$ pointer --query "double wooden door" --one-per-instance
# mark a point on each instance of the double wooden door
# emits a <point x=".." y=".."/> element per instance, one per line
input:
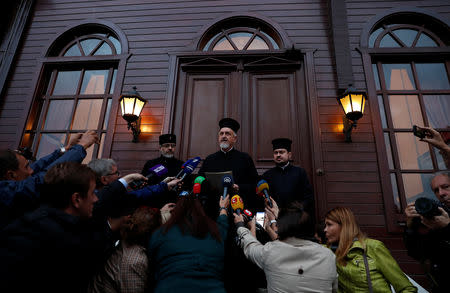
<point x="265" y="94"/>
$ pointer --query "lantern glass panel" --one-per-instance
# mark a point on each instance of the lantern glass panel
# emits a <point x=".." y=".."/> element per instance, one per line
<point x="346" y="104"/>
<point x="357" y="100"/>
<point x="138" y="107"/>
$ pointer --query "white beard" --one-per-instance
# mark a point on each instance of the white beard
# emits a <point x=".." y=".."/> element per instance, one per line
<point x="165" y="155"/>
<point x="224" y="145"/>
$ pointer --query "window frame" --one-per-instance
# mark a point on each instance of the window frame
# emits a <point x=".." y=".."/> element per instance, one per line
<point x="52" y="61"/>
<point x="395" y="221"/>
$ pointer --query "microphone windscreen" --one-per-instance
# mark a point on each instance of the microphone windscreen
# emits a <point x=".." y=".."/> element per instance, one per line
<point x="237" y="203"/>
<point x="227" y="181"/>
<point x="197" y="188"/>
<point x="190" y="167"/>
<point x="262" y="184"/>
<point x="248" y="213"/>
<point x="159" y="170"/>
<point x="183" y="193"/>
<point x="199" y="179"/>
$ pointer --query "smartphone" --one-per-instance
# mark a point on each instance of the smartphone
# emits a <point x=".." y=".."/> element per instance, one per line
<point x="420" y="133"/>
<point x="260" y="218"/>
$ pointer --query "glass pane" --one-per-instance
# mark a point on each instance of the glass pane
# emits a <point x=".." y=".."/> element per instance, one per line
<point x="87" y="114"/>
<point x="223" y="45"/>
<point x="94" y="82"/>
<point x="100" y="148"/>
<point x="49" y="142"/>
<point x="209" y="42"/>
<point x="258" y="44"/>
<point x="375" y="75"/>
<point x="108" y="108"/>
<point x="89" y="154"/>
<point x="425" y="41"/>
<point x="388" y="42"/>
<point x="373" y="37"/>
<point x="89" y="45"/>
<point x="104" y="49"/>
<point x="387" y="142"/>
<point x="116" y="44"/>
<point x="432" y="76"/>
<point x="407" y="36"/>
<point x="398" y="77"/>
<point x="437" y="108"/>
<point x="272" y="41"/>
<point x="58" y="115"/>
<point x="440" y="160"/>
<point x="405" y="111"/>
<point x="66" y="83"/>
<point x="413" y="153"/>
<point x="73" y="51"/>
<point x="382" y="111"/>
<point x="417" y="185"/>
<point x="240" y="39"/>
<point x="395" y="193"/>
<point x="113" y="82"/>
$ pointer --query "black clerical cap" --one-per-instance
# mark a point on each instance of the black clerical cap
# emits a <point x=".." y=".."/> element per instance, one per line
<point x="230" y="123"/>
<point x="167" y="138"/>
<point x="282" y="143"/>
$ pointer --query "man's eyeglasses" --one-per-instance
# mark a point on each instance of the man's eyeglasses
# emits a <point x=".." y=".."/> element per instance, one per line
<point x="167" y="145"/>
<point x="115" y="173"/>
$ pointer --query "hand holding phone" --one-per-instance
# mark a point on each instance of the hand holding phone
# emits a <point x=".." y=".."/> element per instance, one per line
<point x="260" y="218"/>
<point x="419" y="132"/>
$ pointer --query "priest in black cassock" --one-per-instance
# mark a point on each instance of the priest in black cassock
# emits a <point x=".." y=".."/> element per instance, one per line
<point x="167" y="145"/>
<point x="288" y="183"/>
<point x="241" y="164"/>
<point x="241" y="276"/>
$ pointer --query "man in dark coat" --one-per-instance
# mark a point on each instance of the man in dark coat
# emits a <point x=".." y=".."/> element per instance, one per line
<point x="240" y="274"/>
<point x="288" y="183"/>
<point x="241" y="164"/>
<point x="167" y="145"/>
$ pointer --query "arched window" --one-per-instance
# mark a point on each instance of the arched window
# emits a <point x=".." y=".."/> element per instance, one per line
<point x="75" y="90"/>
<point x="241" y="34"/>
<point x="411" y="76"/>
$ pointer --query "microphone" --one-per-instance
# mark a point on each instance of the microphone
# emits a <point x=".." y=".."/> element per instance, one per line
<point x="248" y="214"/>
<point x="197" y="189"/>
<point x="263" y="189"/>
<point x="190" y="167"/>
<point x="199" y="179"/>
<point x="237" y="204"/>
<point x="182" y="168"/>
<point x="227" y="182"/>
<point x="155" y="171"/>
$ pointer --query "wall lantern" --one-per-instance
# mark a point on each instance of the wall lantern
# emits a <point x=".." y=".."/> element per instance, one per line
<point x="132" y="104"/>
<point x="352" y="102"/>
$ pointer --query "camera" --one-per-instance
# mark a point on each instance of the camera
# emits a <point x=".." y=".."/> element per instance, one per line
<point x="428" y="208"/>
<point x="420" y="133"/>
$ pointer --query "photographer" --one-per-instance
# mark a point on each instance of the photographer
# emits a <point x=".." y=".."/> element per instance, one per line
<point x="427" y="236"/>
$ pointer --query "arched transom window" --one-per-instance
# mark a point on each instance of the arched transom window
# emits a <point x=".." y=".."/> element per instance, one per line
<point x="241" y="39"/>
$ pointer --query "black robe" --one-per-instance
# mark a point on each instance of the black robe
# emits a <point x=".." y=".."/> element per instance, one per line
<point x="244" y="174"/>
<point x="288" y="185"/>
<point x="173" y="166"/>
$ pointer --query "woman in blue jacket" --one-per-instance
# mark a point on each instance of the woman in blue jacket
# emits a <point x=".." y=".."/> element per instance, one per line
<point x="187" y="252"/>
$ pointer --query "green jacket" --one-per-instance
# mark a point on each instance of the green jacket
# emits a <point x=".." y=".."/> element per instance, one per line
<point x="384" y="270"/>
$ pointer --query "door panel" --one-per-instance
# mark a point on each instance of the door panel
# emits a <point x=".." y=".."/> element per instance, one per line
<point x="272" y="101"/>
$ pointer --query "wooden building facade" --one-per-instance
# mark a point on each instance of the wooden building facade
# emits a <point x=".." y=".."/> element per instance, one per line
<point x="275" y="66"/>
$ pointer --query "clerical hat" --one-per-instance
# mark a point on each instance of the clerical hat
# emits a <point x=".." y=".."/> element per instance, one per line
<point x="230" y="123"/>
<point x="282" y="143"/>
<point x="167" y="138"/>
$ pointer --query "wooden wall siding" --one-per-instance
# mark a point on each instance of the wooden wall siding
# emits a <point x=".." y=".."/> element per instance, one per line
<point x="156" y="28"/>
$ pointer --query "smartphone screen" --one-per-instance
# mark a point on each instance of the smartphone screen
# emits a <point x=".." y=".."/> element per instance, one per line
<point x="260" y="218"/>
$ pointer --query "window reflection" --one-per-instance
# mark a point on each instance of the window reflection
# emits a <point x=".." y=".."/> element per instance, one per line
<point x="113" y="82"/>
<point x="395" y="193"/>
<point x="417" y="185"/>
<point x="382" y="111"/>
<point x="73" y="51"/>
<point x="407" y="36"/>
<point x="49" y="142"/>
<point x="89" y="45"/>
<point x="398" y="77"/>
<point x="223" y="45"/>
<point x="258" y="44"/>
<point x="388" y="41"/>
<point x="413" y="154"/>
<point x="432" y="76"/>
<point x="104" y="49"/>
<point x="94" y="82"/>
<point x="240" y="39"/>
<point x="66" y="83"/>
<point x="387" y="142"/>
<point x="405" y="111"/>
<point x="87" y="114"/>
<point x="58" y="115"/>
<point x="437" y="108"/>
<point x="425" y="41"/>
<point x="108" y="109"/>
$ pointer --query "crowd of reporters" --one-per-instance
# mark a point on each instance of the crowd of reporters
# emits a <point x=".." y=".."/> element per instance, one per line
<point x="69" y="227"/>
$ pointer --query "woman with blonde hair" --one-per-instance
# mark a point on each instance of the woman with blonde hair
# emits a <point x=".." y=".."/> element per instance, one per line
<point x="363" y="264"/>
